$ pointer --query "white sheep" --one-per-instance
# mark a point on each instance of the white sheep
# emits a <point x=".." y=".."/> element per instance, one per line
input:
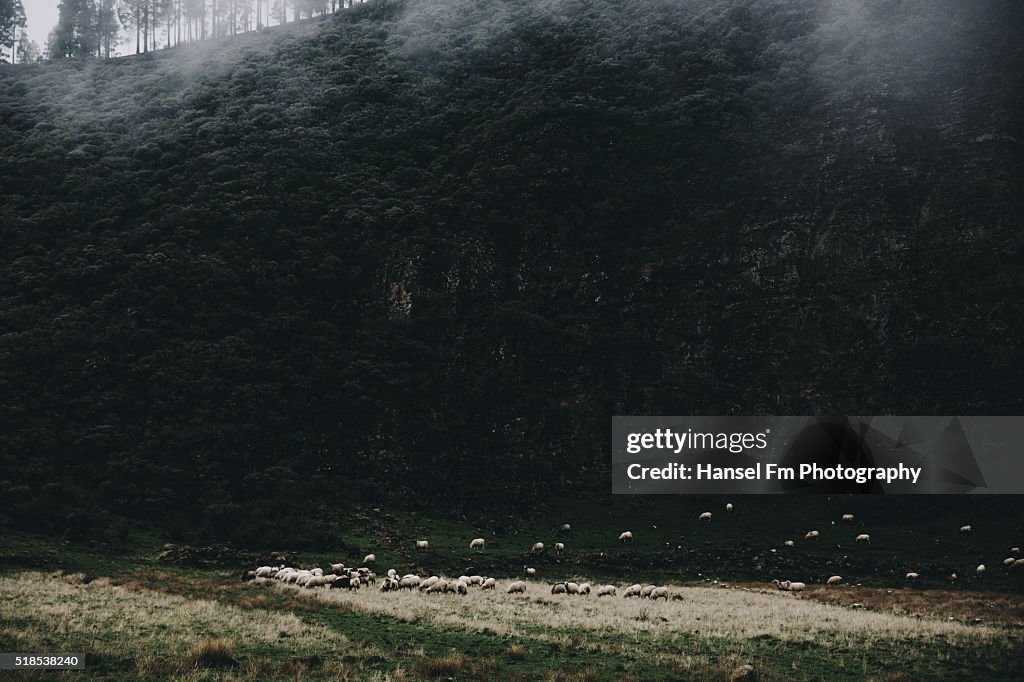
<point x="558" y="588"/>
<point x="488" y="584"/>
<point x="572" y="588"/>
<point x="388" y="585"/>
<point x="264" y="571"/>
<point x="706" y="516"/>
<point x="847" y="517"/>
<point x="912" y="576"/>
<point x="458" y="587"/>
<point x="632" y="591"/>
<point x="834" y="580"/>
<point x="789" y="543"/>
<point x="428" y="583"/>
<point x="409" y="582"/>
<point x="422" y="544"/>
<point x="863" y="537"/>
<point x="627" y="536"/>
<point x="659" y="593"/>
<point x="584" y="588"/>
<point x="564" y="528"/>
<point x="559" y="547"/>
<point x="812" y="535"/>
<point x="475" y="580"/>
<point x="965" y="529"/>
<point x="337" y="568"/>
<point x="369" y="559"/>
<point x="1015" y="550"/>
<point x="953" y="577"/>
<point x="517" y="587"/>
<point x="477" y="543"/>
<point x="530" y="571"/>
<point x="316" y="581"/>
<point x="393" y="574"/>
<point x="646" y="591"/>
<point x="728" y="507"/>
<point x="1019" y="562"/>
<point x="606" y="591"/>
<point x="980" y="569"/>
<point x="1009" y="561"/>
<point x="439" y="585"/>
<point x="537" y="548"/>
<point x="794" y="587"/>
<point x="317" y="571"/>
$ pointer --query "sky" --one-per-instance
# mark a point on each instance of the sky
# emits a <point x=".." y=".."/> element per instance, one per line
<point x="42" y="17"/>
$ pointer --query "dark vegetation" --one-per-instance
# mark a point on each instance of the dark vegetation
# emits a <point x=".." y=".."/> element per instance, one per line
<point x="417" y="254"/>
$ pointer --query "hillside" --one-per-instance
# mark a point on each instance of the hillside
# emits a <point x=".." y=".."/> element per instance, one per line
<point x="420" y="252"/>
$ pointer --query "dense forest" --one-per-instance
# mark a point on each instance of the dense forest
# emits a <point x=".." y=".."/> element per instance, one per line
<point x="422" y="251"/>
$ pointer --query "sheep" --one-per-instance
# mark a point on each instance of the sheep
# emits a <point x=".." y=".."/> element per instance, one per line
<point x="863" y="537"/>
<point x="428" y="583"/>
<point x="584" y="588"/>
<point x="475" y="580"/>
<point x="794" y="587"/>
<point x="392" y="573"/>
<point x="529" y="571"/>
<point x="558" y="588"/>
<point x="345" y="583"/>
<point x="1015" y="550"/>
<point x="488" y="584"/>
<point x="559" y="547"/>
<point x="646" y="591"/>
<point x="659" y="593"/>
<point x="728" y="507"/>
<point x="572" y="588"/>
<point x="606" y="591"/>
<point x="458" y="587"/>
<point x="317" y="571"/>
<point x="369" y="559"/>
<point x="537" y="548"/>
<point x="517" y="587"/>
<point x="812" y="535"/>
<point x="316" y="581"/>
<point x="778" y="584"/>
<point x="337" y="568"/>
<point x="980" y="569"/>
<point x="422" y="544"/>
<point x="952" y="577"/>
<point x="264" y="572"/>
<point x="477" y="543"/>
<point x="632" y="591"/>
<point x="965" y="529"/>
<point x="1019" y="562"/>
<point x="847" y="517"/>
<point x="1009" y="561"/>
<point x="912" y="576"/>
<point x="388" y="585"/>
<point x="706" y="516"/>
<point x="834" y="580"/>
<point x="626" y="536"/>
<point x="564" y="528"/>
<point x="439" y="585"/>
<point x="409" y="582"/>
<point x="789" y="543"/>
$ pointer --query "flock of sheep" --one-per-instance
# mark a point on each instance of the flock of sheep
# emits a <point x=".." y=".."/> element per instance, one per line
<point x="353" y="578"/>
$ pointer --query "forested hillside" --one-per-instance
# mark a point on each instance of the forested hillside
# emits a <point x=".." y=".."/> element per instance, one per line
<point x="422" y="251"/>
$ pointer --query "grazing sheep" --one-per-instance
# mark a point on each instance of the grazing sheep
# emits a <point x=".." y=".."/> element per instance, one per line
<point x="626" y="536"/>
<point x="1009" y="561"/>
<point x="980" y="569"/>
<point x="789" y="543"/>
<point x="728" y="507"/>
<point x="475" y="580"/>
<point x="458" y="587"/>
<point x="388" y="585"/>
<point x="1019" y="562"/>
<point x="606" y="591"/>
<point x="558" y="588"/>
<point x="264" y="572"/>
<point x="439" y="585"/>
<point x="572" y="588"/>
<point x="317" y="571"/>
<point x="847" y="517"/>
<point x="646" y="591"/>
<point x="584" y="588"/>
<point x="965" y="529"/>
<point x="632" y="591"/>
<point x="559" y="547"/>
<point x="793" y="587"/>
<point x="488" y="584"/>
<point x="812" y="535"/>
<point x="517" y="587"/>
<point x="409" y="582"/>
<point x="912" y="576"/>
<point x="659" y="593"/>
<point x="337" y="568"/>
<point x="428" y="583"/>
<point x="537" y="548"/>
<point x="530" y="571"/>
<point x="477" y="543"/>
<point x="706" y="516"/>
<point x="422" y="544"/>
<point x="369" y="559"/>
<point x="834" y="580"/>
<point x="863" y="537"/>
<point x="316" y="581"/>
<point x="564" y="528"/>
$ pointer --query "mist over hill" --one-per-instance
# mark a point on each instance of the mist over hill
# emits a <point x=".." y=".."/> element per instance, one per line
<point x="430" y="248"/>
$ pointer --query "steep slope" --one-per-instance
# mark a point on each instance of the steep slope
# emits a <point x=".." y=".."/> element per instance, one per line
<point x="422" y="242"/>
